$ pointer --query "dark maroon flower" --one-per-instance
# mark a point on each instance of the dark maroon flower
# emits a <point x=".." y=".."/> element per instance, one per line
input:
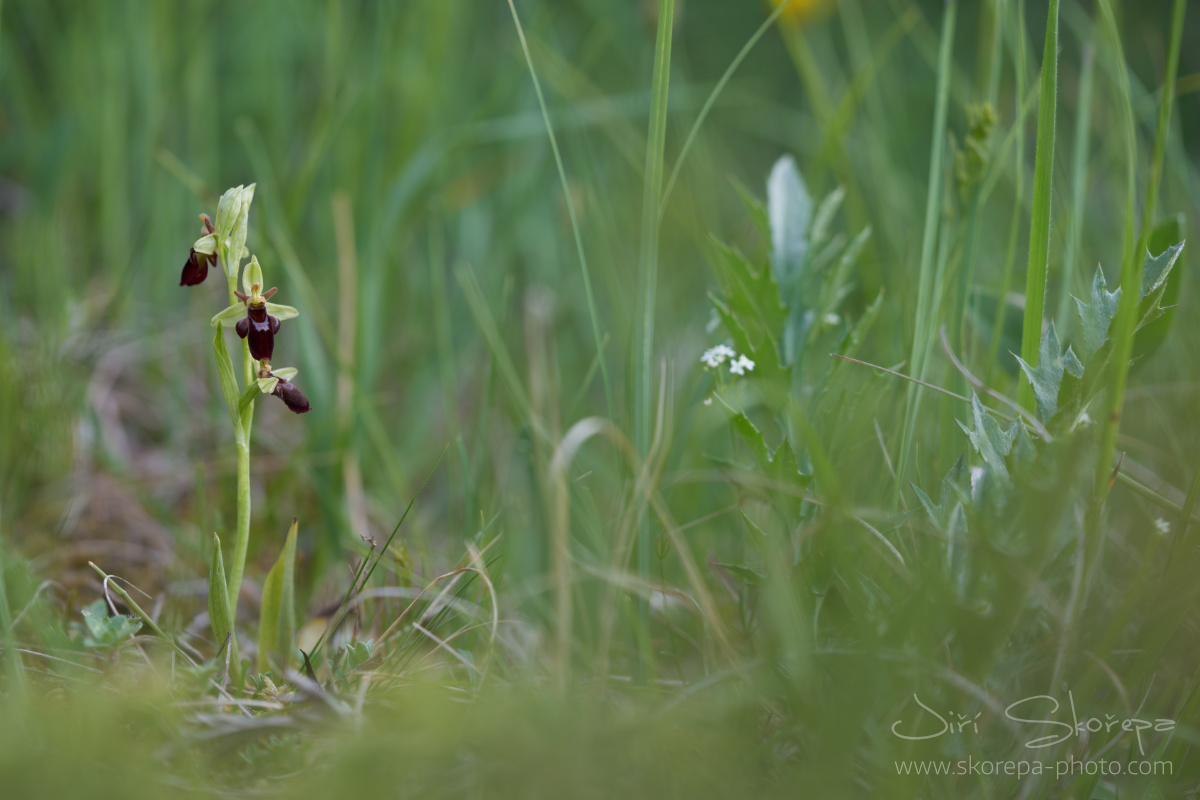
<point x="195" y="269"/>
<point x="258" y="328"/>
<point x="292" y="397"/>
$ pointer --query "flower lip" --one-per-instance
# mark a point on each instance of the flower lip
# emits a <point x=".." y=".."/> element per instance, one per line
<point x="258" y="328"/>
<point x="291" y="396"/>
<point x="195" y="269"/>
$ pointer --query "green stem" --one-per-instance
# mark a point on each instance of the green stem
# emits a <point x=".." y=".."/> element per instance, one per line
<point x="241" y="545"/>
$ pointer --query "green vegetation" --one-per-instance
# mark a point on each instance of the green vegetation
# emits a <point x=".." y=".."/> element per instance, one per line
<point x="678" y="425"/>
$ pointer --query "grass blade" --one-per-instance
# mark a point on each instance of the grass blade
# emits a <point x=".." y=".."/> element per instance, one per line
<point x="562" y="176"/>
<point x="1039" y="234"/>
<point x="927" y="291"/>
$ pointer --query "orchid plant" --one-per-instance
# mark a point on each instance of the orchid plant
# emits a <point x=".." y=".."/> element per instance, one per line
<point x="256" y="320"/>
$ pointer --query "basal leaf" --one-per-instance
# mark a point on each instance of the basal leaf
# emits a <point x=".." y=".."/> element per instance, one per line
<point x="220" y="616"/>
<point x="277" y="619"/>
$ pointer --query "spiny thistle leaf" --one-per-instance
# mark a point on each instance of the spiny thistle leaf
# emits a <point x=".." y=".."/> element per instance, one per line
<point x="1047" y="376"/>
<point x="1097" y="315"/>
<point x="1158" y="268"/>
<point x="988" y="438"/>
<point x="954" y="492"/>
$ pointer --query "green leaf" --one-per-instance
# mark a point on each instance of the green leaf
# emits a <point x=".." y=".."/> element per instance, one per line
<point x="1158" y="268"/>
<point x="1047" y="376"/>
<point x="104" y="631"/>
<point x="987" y="437"/>
<point x="1097" y="316"/>
<point x="954" y="491"/>
<point x="220" y="615"/>
<point x="277" y="619"/>
<point x="1154" y="332"/>
<point x="228" y="381"/>
<point x="253" y="391"/>
<point x="779" y="463"/>
<point x="755" y="208"/>
<point x="750" y="576"/>
<point x="837" y="283"/>
<point x="752" y="295"/>
<point x="824" y="216"/>
<point x="789" y="208"/>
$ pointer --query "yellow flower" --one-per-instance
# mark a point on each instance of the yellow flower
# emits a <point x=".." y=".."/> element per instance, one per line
<point x="801" y="12"/>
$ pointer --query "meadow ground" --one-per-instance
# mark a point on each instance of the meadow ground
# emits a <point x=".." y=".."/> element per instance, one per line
<point x="708" y="399"/>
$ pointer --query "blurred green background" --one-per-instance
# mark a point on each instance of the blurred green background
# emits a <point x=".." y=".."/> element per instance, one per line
<point x="408" y="199"/>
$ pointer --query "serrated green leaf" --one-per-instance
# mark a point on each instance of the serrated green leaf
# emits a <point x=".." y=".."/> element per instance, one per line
<point x="228" y="382"/>
<point x="1158" y="268"/>
<point x="953" y="492"/>
<point x="780" y="463"/>
<point x="789" y="209"/>
<point x="752" y="295"/>
<point x="991" y="442"/>
<point x="1152" y="333"/>
<point x="277" y="618"/>
<point x="1097" y="315"/>
<point x="220" y="616"/>
<point x="1047" y="376"/>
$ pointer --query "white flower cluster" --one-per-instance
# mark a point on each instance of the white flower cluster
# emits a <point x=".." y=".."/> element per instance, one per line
<point x="716" y="356"/>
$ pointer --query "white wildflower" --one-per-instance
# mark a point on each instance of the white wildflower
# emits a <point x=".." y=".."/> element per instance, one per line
<point x="708" y="401"/>
<point x="715" y="356"/>
<point x="741" y="365"/>
<point x="1162" y="525"/>
<point x="831" y="319"/>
